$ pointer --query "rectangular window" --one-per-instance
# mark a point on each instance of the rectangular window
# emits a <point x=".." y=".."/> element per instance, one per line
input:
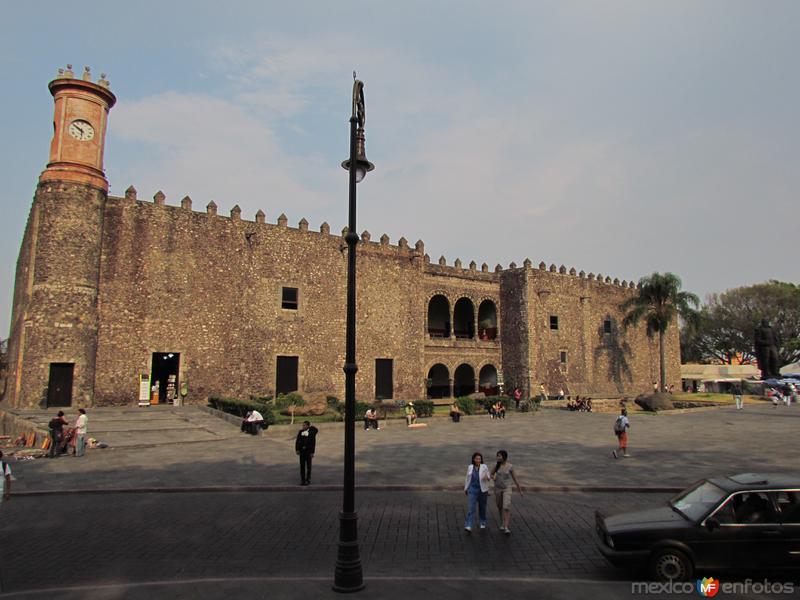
<point x="384" y="386"/>
<point x="286" y="375"/>
<point x="553" y="322"/>
<point x="607" y="326"/>
<point x="563" y="357"/>
<point x="289" y="298"/>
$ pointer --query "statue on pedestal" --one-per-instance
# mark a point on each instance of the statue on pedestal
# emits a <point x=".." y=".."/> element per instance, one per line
<point x="766" y="345"/>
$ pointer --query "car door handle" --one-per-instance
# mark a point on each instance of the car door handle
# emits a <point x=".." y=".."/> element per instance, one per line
<point x="771" y="532"/>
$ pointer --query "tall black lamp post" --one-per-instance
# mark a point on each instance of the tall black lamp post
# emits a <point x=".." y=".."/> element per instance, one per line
<point x="348" y="576"/>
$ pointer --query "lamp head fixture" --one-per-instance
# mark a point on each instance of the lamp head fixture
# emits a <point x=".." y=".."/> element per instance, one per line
<point x="362" y="165"/>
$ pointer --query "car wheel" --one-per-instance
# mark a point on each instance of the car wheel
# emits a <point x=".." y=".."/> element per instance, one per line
<point x="670" y="564"/>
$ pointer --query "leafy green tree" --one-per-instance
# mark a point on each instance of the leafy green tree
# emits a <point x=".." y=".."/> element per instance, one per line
<point x="659" y="302"/>
<point x="724" y="331"/>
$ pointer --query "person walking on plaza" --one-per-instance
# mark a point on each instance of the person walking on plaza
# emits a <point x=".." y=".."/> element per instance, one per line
<point x="5" y="480"/>
<point x="80" y="432"/>
<point x="56" y="427"/>
<point x="304" y="446"/>
<point x="517" y="398"/>
<point x="503" y="474"/>
<point x="621" y="426"/>
<point x="476" y="488"/>
<point x="737" y="396"/>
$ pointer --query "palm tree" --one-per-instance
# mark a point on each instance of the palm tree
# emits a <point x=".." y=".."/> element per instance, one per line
<point x="659" y="299"/>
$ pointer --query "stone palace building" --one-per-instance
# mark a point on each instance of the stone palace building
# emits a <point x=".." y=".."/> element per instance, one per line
<point x="114" y="295"/>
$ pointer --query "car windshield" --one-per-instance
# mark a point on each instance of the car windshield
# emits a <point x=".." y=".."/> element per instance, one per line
<point x="698" y="500"/>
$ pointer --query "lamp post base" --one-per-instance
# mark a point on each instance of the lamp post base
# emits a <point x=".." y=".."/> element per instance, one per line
<point x="348" y="576"/>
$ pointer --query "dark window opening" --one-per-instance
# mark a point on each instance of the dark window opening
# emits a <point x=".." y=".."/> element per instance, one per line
<point x="463" y="381"/>
<point x="384" y="385"/>
<point x="487" y="320"/>
<point x="607" y="326"/>
<point x="286" y="375"/>
<point x="59" y="386"/>
<point x="438" y="382"/>
<point x="464" y="319"/>
<point x="553" y="322"/>
<point x="164" y="375"/>
<point x="289" y="298"/>
<point x="439" y="317"/>
<point x="563" y="357"/>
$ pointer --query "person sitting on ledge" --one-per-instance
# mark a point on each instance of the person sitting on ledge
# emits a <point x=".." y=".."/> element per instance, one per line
<point x="455" y="412"/>
<point x="411" y="414"/>
<point x="498" y="410"/>
<point x="371" y="419"/>
<point x="252" y="422"/>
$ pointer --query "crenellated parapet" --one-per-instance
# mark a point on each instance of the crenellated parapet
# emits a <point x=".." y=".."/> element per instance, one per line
<point x="383" y="245"/>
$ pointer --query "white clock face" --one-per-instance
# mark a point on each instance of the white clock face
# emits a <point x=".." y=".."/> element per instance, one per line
<point x="81" y="130"/>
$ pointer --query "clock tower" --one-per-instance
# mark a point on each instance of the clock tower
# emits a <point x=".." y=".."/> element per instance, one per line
<point x="79" y="129"/>
<point x="55" y="319"/>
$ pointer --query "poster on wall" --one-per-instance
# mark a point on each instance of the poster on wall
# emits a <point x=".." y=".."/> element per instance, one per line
<point x="144" y="389"/>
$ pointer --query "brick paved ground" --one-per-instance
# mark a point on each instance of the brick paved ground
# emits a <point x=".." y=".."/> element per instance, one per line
<point x="272" y="544"/>
<point x="150" y="537"/>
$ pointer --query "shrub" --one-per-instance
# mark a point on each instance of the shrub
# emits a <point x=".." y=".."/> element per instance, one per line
<point x="331" y="401"/>
<point x="240" y="408"/>
<point x="468" y="406"/>
<point x="292" y="399"/>
<point x="423" y="408"/>
<point x="361" y="408"/>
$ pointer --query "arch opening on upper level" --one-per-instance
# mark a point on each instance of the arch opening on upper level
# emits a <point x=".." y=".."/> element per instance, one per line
<point x="439" y="317"/>
<point x="487" y="320"/>
<point x="464" y="319"/>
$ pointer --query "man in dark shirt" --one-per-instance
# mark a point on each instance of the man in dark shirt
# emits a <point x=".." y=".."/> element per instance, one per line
<point x="304" y="446"/>
<point x="56" y="426"/>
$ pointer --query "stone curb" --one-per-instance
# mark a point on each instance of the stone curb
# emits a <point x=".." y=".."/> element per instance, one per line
<point x="338" y="488"/>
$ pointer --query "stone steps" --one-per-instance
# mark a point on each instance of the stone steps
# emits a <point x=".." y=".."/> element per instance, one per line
<point x="145" y="426"/>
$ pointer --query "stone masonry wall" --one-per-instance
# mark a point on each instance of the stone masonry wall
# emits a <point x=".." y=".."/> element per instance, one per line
<point x="55" y="306"/>
<point x="209" y="287"/>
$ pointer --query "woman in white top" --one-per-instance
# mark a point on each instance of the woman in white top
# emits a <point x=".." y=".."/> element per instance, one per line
<point x="476" y="488"/>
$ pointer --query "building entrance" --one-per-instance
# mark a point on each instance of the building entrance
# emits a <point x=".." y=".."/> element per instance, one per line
<point x="59" y="386"/>
<point x="164" y="374"/>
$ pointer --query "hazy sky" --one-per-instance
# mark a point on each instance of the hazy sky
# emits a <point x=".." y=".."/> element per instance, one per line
<point x="616" y="137"/>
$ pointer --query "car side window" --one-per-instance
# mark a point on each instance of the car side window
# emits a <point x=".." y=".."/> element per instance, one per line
<point x="753" y="508"/>
<point x="789" y="506"/>
<point x="726" y="515"/>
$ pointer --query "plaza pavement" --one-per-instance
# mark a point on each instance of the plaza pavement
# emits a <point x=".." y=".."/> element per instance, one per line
<point x="236" y="524"/>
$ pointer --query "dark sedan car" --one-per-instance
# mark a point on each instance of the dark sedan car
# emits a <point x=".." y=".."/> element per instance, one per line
<point x="743" y="521"/>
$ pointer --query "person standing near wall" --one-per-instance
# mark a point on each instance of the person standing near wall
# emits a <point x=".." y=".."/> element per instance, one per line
<point x="80" y="432"/>
<point x="737" y="396"/>
<point x="304" y="446"/>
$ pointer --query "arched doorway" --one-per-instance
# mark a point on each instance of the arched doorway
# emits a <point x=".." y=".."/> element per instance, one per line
<point x="463" y="381"/>
<point x="439" y="317"/>
<point x="438" y="383"/>
<point x="487" y="380"/>
<point x="487" y="320"/>
<point x="464" y="319"/>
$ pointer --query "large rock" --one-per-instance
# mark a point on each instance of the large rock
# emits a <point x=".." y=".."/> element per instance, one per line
<point x="655" y="402"/>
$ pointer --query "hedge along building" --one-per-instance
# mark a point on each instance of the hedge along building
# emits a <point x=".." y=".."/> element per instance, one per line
<point x="114" y="291"/>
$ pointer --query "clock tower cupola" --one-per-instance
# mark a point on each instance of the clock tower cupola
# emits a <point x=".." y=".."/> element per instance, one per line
<point x="79" y="129"/>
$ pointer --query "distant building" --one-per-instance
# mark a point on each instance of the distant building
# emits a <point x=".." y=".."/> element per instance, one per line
<point x="115" y="295"/>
